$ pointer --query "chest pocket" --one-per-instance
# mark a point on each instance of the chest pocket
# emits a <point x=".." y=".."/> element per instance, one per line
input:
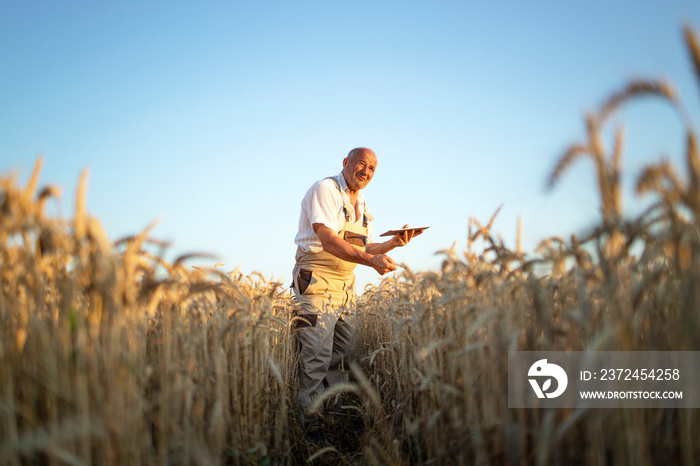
<point x="351" y="232"/>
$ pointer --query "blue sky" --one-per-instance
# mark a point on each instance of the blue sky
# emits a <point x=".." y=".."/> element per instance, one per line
<point x="216" y="117"/>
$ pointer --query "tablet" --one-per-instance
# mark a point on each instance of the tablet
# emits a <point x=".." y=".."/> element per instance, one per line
<point x="401" y="230"/>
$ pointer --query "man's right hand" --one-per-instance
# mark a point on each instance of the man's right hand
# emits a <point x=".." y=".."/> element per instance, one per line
<point x="383" y="263"/>
<point x="341" y="249"/>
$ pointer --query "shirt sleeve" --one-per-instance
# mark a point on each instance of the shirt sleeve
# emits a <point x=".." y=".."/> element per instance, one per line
<point x="323" y="206"/>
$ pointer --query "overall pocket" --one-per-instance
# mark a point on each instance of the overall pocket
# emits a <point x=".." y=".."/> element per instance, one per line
<point x="303" y="280"/>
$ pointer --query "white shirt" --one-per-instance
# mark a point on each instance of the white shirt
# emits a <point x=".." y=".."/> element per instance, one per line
<point x="323" y="203"/>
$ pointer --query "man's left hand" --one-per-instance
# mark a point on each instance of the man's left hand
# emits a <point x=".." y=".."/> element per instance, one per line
<point x="402" y="239"/>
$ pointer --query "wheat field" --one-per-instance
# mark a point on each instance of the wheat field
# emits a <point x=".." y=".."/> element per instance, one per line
<point x="111" y="355"/>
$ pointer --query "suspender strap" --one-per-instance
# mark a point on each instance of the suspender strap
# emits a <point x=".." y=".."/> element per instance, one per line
<point x="346" y="207"/>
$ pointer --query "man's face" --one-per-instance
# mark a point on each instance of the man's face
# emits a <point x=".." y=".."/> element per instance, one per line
<point x="359" y="169"/>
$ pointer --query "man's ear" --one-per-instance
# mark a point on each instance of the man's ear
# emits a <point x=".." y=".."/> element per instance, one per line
<point x="345" y="162"/>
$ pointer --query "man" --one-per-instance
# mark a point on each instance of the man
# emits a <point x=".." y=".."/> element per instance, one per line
<point x="334" y="236"/>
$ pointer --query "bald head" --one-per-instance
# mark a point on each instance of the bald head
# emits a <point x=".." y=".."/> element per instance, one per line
<point x="360" y="151"/>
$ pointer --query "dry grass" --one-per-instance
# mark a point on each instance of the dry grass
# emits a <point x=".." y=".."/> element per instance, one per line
<point x="110" y="355"/>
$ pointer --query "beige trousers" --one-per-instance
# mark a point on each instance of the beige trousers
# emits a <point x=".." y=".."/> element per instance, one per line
<point x="325" y="289"/>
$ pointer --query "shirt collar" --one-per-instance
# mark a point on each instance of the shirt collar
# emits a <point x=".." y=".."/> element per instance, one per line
<point x="344" y="187"/>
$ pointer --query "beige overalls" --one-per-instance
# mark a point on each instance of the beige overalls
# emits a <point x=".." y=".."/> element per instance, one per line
<point x="325" y="290"/>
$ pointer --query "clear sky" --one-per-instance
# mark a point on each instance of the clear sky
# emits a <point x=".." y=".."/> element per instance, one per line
<point x="216" y="117"/>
